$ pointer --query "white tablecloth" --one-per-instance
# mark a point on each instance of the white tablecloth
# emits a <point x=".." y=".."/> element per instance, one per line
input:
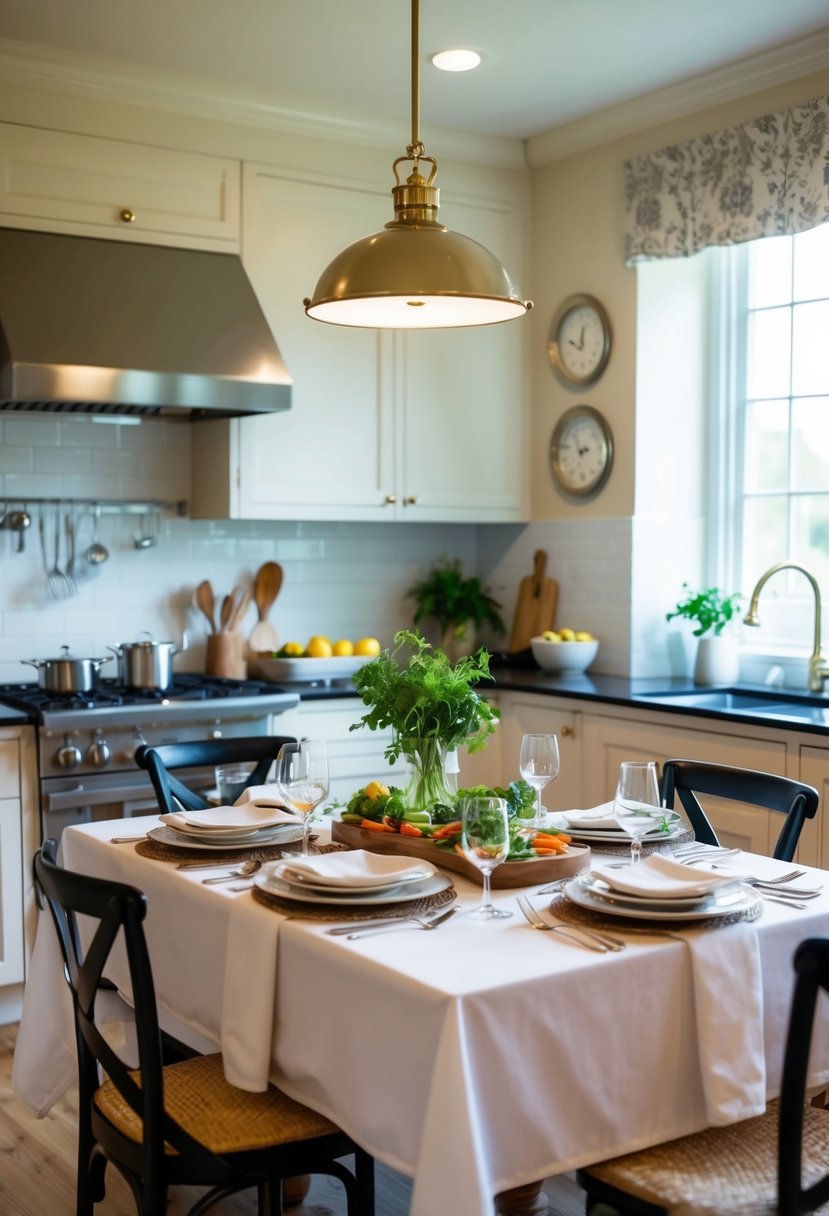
<point x="475" y="1058"/>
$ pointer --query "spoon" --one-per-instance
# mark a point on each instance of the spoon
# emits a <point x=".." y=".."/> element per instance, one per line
<point x="246" y="868"/>
<point x="96" y="553"/>
<point x="19" y="521"/>
<point x="206" y="602"/>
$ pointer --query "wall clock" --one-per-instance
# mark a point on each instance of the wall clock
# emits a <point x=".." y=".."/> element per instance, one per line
<point x="581" y="451"/>
<point x="578" y="345"/>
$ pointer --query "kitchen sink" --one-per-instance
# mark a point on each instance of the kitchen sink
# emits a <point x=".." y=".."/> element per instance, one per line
<point x="765" y="702"/>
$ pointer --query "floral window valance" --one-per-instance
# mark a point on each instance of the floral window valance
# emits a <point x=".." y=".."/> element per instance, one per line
<point x="769" y="177"/>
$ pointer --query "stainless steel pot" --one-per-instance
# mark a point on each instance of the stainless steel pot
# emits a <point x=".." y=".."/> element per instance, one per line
<point x="147" y="663"/>
<point x="67" y="675"/>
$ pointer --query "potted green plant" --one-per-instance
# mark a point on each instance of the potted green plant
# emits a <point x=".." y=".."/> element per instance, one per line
<point x="431" y="706"/>
<point x="711" y="610"/>
<point x="459" y="605"/>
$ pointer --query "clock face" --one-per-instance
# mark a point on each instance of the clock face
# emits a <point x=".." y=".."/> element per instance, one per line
<point x="579" y="341"/>
<point x="581" y="451"/>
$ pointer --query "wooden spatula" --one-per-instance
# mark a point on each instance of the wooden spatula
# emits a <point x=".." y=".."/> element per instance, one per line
<point x="266" y="588"/>
<point x="535" y="608"/>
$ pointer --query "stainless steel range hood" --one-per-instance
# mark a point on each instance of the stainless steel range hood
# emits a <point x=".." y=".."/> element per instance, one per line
<point x="92" y="326"/>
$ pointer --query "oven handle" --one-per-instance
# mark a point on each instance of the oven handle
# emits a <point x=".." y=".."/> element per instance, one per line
<point x="81" y="795"/>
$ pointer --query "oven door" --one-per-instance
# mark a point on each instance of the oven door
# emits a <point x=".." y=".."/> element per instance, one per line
<point x="69" y="800"/>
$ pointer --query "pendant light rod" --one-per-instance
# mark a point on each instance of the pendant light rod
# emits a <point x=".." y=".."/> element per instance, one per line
<point x="417" y="146"/>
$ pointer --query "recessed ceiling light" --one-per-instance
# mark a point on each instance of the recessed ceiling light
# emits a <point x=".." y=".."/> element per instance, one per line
<point x="456" y="61"/>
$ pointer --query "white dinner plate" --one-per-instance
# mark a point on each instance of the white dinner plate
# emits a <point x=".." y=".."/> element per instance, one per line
<point x="742" y="899"/>
<point x="284" y="834"/>
<point x="267" y="880"/>
<point x="308" y="884"/>
<point x="621" y="837"/>
<point x="217" y="835"/>
<point x="602" y="890"/>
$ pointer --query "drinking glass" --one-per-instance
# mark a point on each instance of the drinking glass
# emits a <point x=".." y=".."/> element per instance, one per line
<point x="302" y="779"/>
<point x="485" y="842"/>
<point x="538" y="764"/>
<point x="231" y="779"/>
<point x="636" y="805"/>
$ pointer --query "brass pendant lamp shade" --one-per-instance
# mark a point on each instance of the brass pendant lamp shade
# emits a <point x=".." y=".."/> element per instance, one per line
<point x="415" y="273"/>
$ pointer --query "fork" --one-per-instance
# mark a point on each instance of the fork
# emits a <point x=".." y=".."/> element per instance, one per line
<point x="60" y="586"/>
<point x="602" y="943"/>
<point x="412" y="922"/>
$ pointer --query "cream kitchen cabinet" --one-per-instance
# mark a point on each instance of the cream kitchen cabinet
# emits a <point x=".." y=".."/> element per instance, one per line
<point x="86" y="186"/>
<point x="19" y="837"/>
<point x="383" y="425"/>
<point x="814" y="840"/>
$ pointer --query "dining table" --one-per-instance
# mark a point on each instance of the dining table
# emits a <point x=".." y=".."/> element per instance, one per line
<point x="478" y="1058"/>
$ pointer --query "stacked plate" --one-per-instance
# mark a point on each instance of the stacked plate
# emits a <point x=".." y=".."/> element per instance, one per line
<point x="224" y="827"/>
<point x="598" y="826"/>
<point x="351" y="878"/>
<point x="660" y="888"/>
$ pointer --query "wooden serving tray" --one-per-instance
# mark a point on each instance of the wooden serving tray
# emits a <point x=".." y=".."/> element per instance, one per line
<point x="507" y="874"/>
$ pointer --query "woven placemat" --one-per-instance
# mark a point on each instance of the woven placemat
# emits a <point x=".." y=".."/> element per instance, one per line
<point x="564" y="908"/>
<point x="413" y="907"/>
<point x="648" y="846"/>
<point x="156" y="850"/>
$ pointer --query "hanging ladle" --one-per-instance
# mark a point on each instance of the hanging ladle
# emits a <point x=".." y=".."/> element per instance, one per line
<point x="19" y="521"/>
<point x="96" y="553"/>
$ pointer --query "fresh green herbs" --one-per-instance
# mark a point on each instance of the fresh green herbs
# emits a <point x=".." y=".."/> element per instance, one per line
<point x="425" y="696"/>
<point x="450" y="599"/>
<point x="709" y="608"/>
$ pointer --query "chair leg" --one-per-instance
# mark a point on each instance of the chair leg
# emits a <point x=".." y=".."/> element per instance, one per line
<point x="269" y="1195"/>
<point x="91" y="1170"/>
<point x="364" y="1173"/>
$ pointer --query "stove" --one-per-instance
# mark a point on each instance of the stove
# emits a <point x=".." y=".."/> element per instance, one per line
<point x="87" y="741"/>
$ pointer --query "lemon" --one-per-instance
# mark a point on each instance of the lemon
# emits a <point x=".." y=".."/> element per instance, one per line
<point x="567" y="635"/>
<point x="343" y="648"/>
<point x="318" y="648"/>
<point x="367" y="646"/>
<point x="584" y="636"/>
<point x="376" y="789"/>
<point x="550" y="635"/>
<point x="292" y="650"/>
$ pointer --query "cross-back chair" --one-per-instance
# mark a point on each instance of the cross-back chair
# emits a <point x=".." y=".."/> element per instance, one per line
<point x="173" y="793"/>
<point x="685" y="779"/>
<point x="182" y="1123"/>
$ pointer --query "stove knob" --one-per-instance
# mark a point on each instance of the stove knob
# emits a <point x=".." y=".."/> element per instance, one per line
<point x="68" y="756"/>
<point x="99" y="752"/>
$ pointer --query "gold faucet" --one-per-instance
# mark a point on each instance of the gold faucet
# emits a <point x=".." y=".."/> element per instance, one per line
<point x="818" y="666"/>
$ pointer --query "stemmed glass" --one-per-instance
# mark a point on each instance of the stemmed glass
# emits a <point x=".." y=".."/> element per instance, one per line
<point x="538" y="765"/>
<point x="485" y="842"/>
<point x="302" y="779"/>
<point x="636" y="806"/>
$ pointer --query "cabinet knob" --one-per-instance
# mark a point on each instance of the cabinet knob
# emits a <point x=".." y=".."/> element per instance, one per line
<point x="391" y="499"/>
<point x="567" y="732"/>
<point x="411" y="500"/>
<point x="127" y="216"/>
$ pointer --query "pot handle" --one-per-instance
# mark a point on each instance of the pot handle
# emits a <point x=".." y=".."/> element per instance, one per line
<point x="98" y="663"/>
<point x="116" y="650"/>
<point x="185" y="642"/>
<point x="38" y="663"/>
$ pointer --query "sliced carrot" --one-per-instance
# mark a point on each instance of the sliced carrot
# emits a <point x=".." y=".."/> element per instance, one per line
<point x="555" y="837"/>
<point x="371" y="826"/>
<point x="447" y="829"/>
<point x="409" y="829"/>
<point x="457" y="848"/>
<point x="548" y="852"/>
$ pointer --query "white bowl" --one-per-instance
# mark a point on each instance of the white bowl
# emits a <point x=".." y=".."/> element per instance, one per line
<point x="335" y="668"/>
<point x="565" y="657"/>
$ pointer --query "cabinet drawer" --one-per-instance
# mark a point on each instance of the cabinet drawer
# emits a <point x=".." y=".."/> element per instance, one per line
<point x="80" y="184"/>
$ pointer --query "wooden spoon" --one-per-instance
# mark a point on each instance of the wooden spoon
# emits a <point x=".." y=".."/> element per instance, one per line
<point x="266" y="588"/>
<point x="206" y="602"/>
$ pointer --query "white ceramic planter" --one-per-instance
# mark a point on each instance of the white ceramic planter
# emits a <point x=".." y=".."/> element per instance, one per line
<point x="718" y="660"/>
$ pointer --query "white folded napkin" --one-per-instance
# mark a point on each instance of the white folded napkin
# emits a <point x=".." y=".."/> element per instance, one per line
<point x="660" y="877"/>
<point x="355" y="868"/>
<point x="261" y="795"/>
<point x="597" y="819"/>
<point x="247" y="818"/>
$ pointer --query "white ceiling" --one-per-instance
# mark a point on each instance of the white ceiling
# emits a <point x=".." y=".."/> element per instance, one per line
<point x="545" y="62"/>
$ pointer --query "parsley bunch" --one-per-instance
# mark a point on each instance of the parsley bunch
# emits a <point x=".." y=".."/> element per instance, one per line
<point x="425" y="696"/>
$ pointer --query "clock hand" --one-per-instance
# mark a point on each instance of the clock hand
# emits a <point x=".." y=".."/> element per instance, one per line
<point x="581" y="339"/>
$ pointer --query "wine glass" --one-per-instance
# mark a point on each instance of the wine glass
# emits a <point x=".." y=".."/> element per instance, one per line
<point x="636" y="806"/>
<point x="302" y="779"/>
<point x="485" y="842"/>
<point x="538" y="764"/>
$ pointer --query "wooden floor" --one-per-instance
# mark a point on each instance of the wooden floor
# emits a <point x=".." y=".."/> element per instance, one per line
<point x="37" y="1170"/>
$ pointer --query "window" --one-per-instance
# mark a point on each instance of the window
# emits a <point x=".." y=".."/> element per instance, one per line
<point x="774" y="421"/>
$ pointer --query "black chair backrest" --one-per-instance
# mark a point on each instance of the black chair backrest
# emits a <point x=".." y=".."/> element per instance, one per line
<point x="173" y="793"/>
<point x="687" y="778"/>
<point x="811" y="964"/>
<point x="113" y="909"/>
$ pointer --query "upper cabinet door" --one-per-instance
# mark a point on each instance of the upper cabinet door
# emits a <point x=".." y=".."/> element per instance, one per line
<point x="330" y="455"/>
<point x="85" y="186"/>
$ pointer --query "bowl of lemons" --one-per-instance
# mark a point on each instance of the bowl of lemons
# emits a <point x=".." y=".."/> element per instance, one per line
<point x="565" y="651"/>
<point x="318" y="659"/>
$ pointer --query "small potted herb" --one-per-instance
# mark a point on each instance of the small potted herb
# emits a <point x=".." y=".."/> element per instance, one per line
<point x="710" y="610"/>
<point x="459" y="605"/>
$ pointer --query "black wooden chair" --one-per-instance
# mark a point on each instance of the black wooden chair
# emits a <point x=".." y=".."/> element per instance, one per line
<point x="173" y="793"/>
<point x="180" y="1124"/>
<point x="775" y="1163"/>
<point x="684" y="779"/>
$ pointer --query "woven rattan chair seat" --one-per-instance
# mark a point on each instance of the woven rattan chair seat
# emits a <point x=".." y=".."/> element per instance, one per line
<point x="221" y="1117"/>
<point x="723" y="1171"/>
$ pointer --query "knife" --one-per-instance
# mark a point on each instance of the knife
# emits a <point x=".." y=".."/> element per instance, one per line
<point x="402" y="923"/>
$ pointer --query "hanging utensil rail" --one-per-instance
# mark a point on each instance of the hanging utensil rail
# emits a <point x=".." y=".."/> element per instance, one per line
<point x="140" y="506"/>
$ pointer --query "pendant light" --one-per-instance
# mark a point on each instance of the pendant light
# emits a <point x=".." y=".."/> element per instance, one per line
<point x="415" y="273"/>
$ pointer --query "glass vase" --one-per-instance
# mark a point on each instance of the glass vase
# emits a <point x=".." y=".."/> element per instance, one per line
<point x="426" y="781"/>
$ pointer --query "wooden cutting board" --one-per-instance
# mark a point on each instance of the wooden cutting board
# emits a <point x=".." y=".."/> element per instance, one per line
<point x="263" y="636"/>
<point x="508" y="874"/>
<point x="535" y="608"/>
